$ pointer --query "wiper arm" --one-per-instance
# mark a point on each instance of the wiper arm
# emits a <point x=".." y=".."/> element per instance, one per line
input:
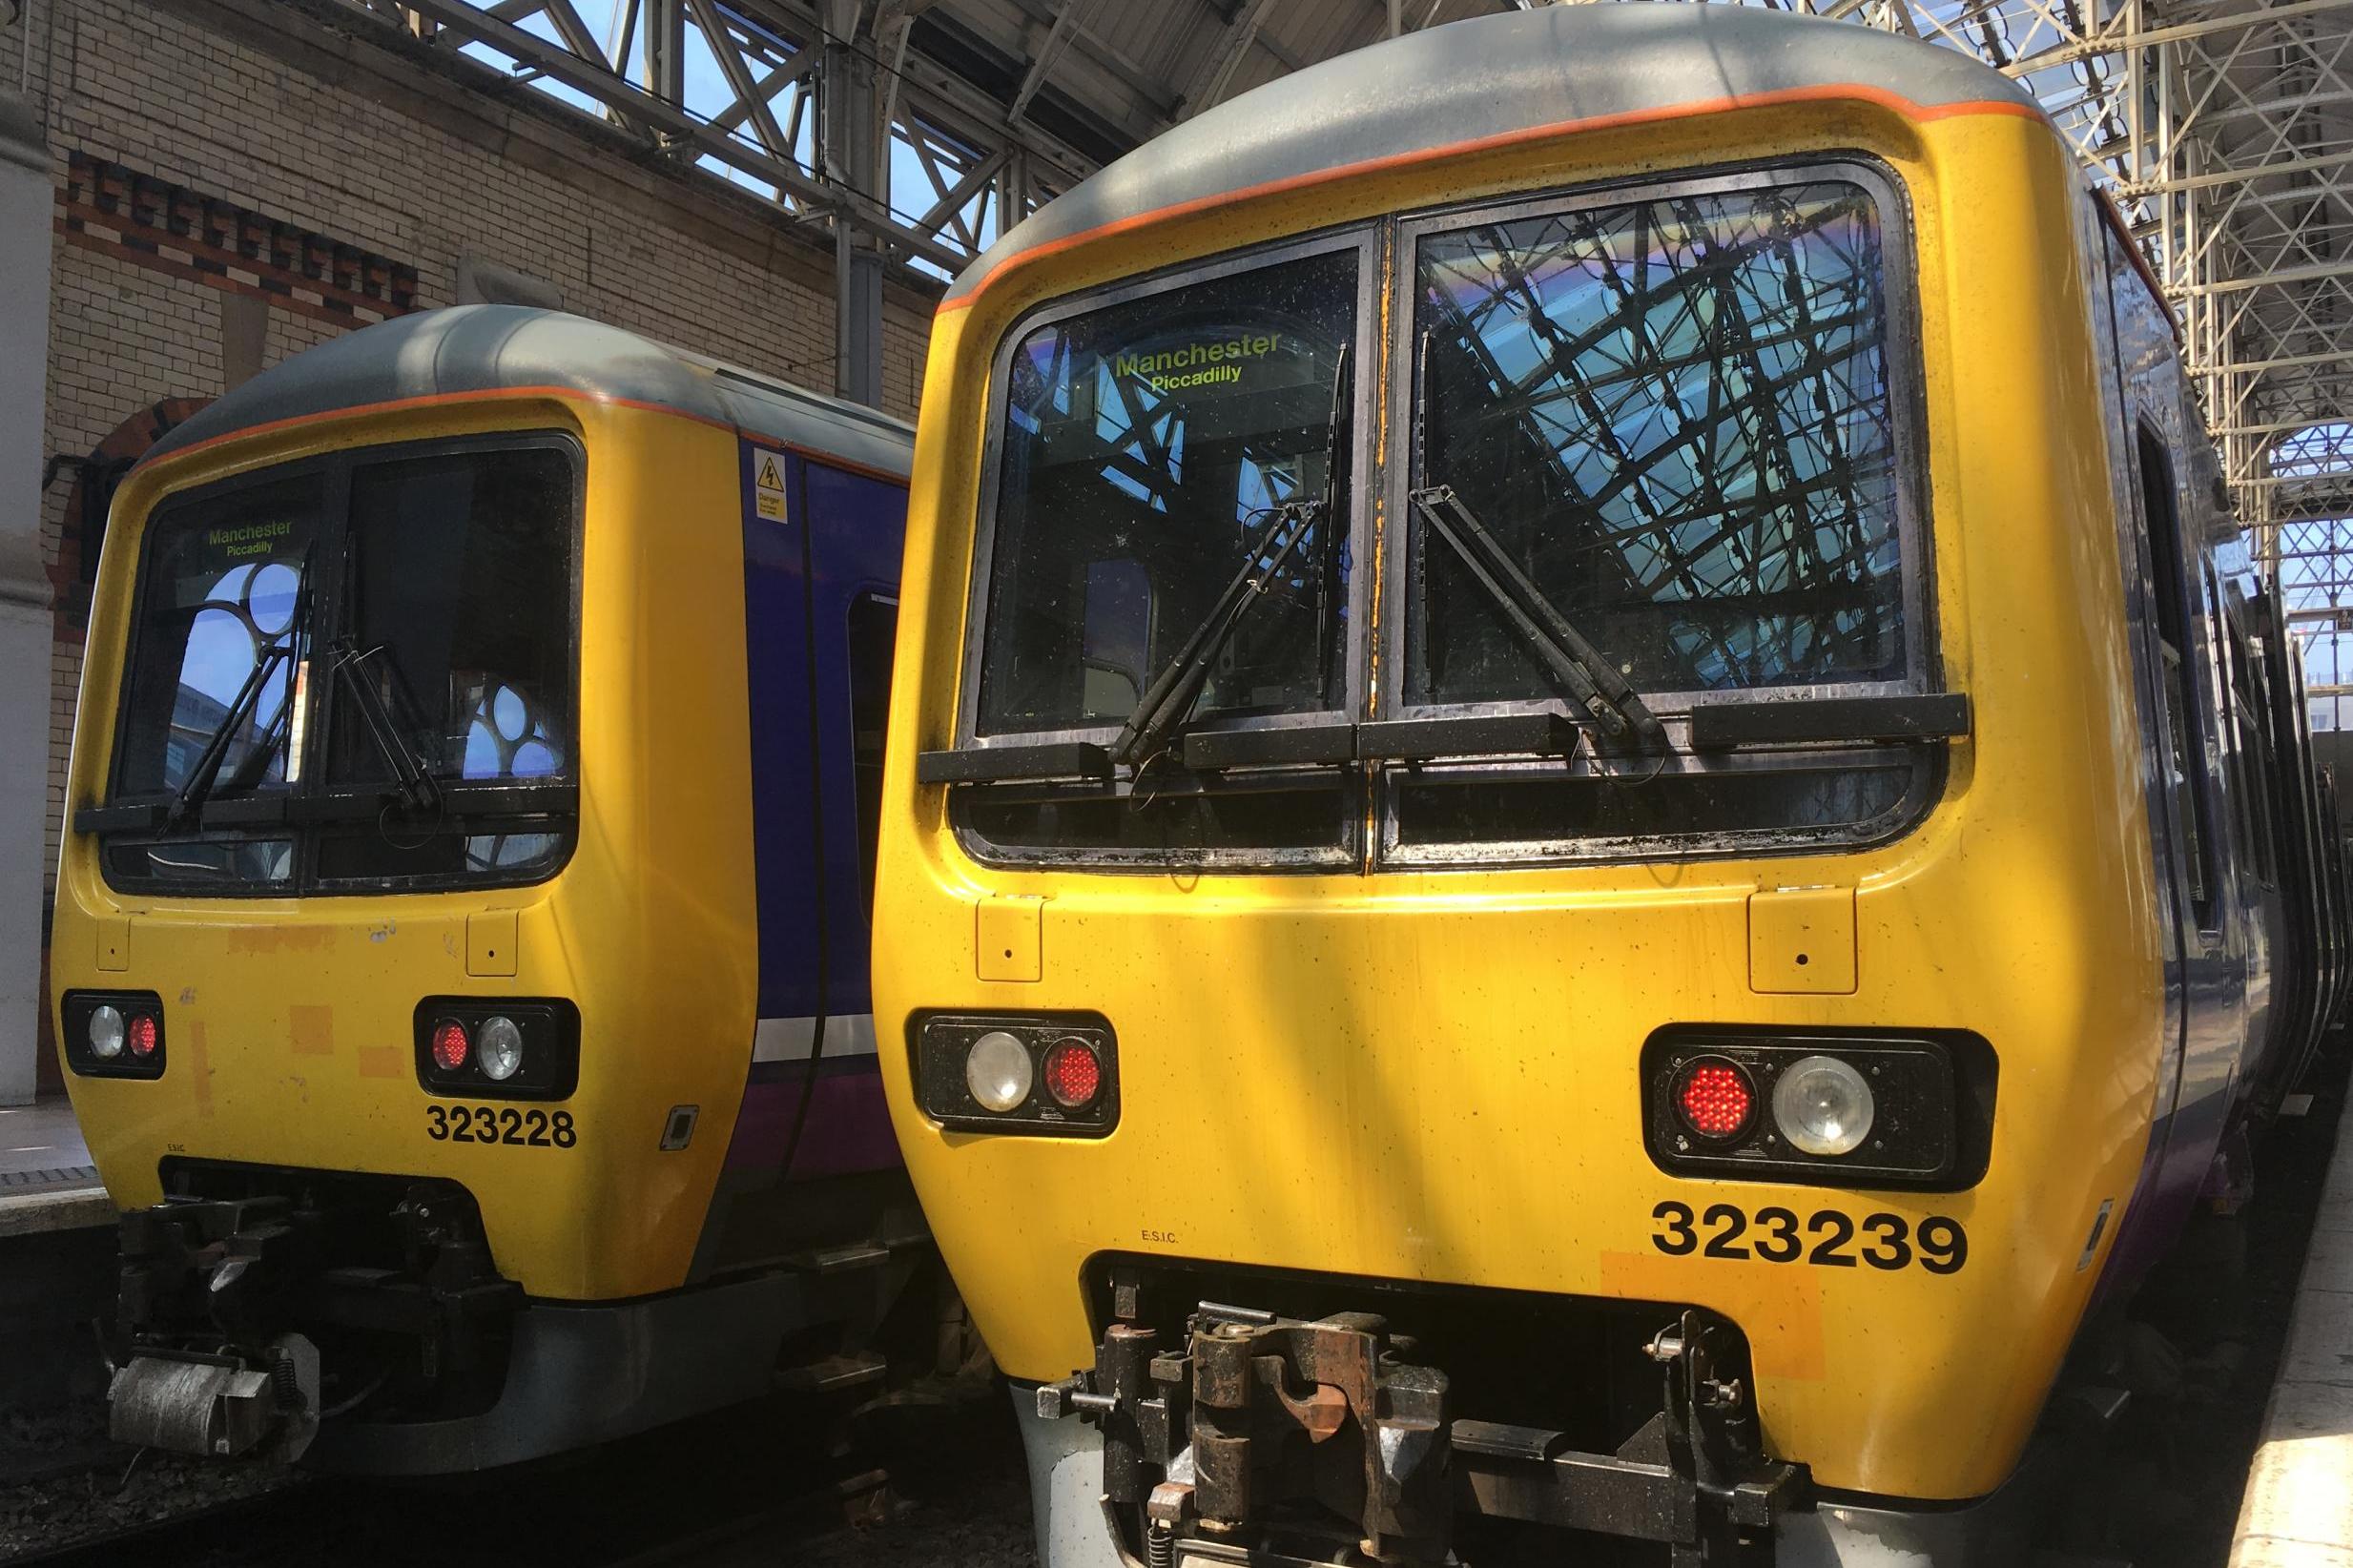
<point x="416" y="784"/>
<point x="1171" y="696"/>
<point x="207" y="770"/>
<point x="1173" y="691"/>
<point x="205" y="775"/>
<point x="1580" y="669"/>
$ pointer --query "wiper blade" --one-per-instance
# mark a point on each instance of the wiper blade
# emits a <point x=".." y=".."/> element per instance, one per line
<point x="205" y="775"/>
<point x="409" y="773"/>
<point x="207" y="770"/>
<point x="1580" y="669"/>
<point x="1171" y="697"/>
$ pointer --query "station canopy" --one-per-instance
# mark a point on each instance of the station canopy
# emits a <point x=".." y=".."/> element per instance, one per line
<point x="920" y="128"/>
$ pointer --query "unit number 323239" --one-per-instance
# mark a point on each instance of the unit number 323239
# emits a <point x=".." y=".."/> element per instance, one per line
<point x="1826" y="1238"/>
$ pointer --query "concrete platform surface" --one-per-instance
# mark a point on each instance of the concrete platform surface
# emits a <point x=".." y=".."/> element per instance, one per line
<point x="41" y="1144"/>
<point x="2298" y="1507"/>
<point x="47" y="1182"/>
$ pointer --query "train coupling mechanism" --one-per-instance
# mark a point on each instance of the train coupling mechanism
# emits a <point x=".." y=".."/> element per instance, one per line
<point x="222" y="1304"/>
<point x="1250" y="1430"/>
<point x="220" y="1406"/>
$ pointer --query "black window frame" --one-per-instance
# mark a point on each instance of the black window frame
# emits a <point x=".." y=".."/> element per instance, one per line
<point x="311" y="799"/>
<point x="2184" y="691"/>
<point x="1378" y="509"/>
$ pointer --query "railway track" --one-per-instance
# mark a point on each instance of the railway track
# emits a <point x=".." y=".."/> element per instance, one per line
<point x="738" y="1488"/>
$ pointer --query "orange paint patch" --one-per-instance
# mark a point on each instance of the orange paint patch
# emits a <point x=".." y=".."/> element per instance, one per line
<point x="382" y="1062"/>
<point x="199" y="1071"/>
<point x="311" y="1029"/>
<point x="1780" y="1306"/>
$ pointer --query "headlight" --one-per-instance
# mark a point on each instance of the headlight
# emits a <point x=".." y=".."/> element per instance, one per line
<point x="1041" y="1075"/>
<point x="1823" y="1106"/>
<point x="500" y="1048"/>
<point x="998" y="1071"/>
<point x="112" y="1034"/>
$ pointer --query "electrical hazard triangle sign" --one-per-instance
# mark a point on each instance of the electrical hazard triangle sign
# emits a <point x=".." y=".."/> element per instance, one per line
<point x="770" y="475"/>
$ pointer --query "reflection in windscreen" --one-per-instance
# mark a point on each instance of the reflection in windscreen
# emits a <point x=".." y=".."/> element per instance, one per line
<point x="444" y="593"/>
<point x="461" y="590"/>
<point x="463" y="581"/>
<point x="1147" y="448"/>
<point x="1675" y="415"/>
<point x="218" y="607"/>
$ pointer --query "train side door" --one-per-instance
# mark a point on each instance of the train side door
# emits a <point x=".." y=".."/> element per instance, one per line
<point x="856" y="531"/>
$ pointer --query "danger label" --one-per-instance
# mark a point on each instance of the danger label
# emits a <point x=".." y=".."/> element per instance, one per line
<point x="768" y="474"/>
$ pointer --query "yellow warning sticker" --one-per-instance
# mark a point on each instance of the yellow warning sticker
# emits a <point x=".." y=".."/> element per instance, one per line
<point x="769" y="474"/>
<point x="769" y="505"/>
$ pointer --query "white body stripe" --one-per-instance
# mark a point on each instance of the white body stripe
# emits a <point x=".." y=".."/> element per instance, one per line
<point x="788" y="1038"/>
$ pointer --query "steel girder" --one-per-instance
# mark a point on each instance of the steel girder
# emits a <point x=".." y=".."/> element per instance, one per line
<point x="2223" y="128"/>
<point x="818" y="105"/>
<point x="2224" y="131"/>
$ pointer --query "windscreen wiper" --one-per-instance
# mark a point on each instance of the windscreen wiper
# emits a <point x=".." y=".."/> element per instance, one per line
<point x="203" y="777"/>
<point x="1579" y="668"/>
<point x="207" y="770"/>
<point x="1171" y="696"/>
<point x="416" y="784"/>
<point x="1173" y="691"/>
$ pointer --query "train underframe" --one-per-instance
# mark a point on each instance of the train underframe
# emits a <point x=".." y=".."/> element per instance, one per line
<point x="359" y="1323"/>
<point x="1287" y="1421"/>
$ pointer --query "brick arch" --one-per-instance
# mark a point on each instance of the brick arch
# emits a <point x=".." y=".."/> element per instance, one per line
<point x="92" y="492"/>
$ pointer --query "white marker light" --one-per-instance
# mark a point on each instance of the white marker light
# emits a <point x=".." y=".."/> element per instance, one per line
<point x="1823" y="1105"/>
<point x="498" y="1047"/>
<point x="998" y="1071"/>
<point x="106" y="1032"/>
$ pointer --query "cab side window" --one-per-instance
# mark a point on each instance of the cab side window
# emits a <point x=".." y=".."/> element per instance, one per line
<point x="2183" y="754"/>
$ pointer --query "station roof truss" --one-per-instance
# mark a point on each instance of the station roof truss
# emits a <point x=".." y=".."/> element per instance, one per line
<point x="914" y="131"/>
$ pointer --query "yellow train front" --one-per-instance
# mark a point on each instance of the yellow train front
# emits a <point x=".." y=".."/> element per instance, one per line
<point x="1587" y="809"/>
<point x="460" y="946"/>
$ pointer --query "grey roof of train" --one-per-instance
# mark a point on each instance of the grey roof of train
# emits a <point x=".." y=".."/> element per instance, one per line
<point x="1488" y="77"/>
<point x="489" y="348"/>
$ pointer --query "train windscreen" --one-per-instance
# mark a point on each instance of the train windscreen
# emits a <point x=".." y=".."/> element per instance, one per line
<point x="1149" y="449"/>
<point x="1676" y="419"/>
<point x="1674" y="416"/>
<point x="386" y="637"/>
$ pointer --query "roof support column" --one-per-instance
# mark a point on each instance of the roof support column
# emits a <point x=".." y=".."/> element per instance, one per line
<point x="25" y="630"/>
<point x="855" y="163"/>
<point x="665" y="22"/>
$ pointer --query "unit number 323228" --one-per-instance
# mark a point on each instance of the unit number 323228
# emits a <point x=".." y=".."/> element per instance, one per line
<point x="1826" y="1238"/>
<point x="532" y="1128"/>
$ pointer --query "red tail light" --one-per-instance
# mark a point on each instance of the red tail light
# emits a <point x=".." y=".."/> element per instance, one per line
<point x="450" y="1046"/>
<point x="1715" y="1098"/>
<point x="140" y="1034"/>
<point x="1073" y="1075"/>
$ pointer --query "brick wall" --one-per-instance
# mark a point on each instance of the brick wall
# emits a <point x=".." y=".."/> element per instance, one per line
<point x="386" y="159"/>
